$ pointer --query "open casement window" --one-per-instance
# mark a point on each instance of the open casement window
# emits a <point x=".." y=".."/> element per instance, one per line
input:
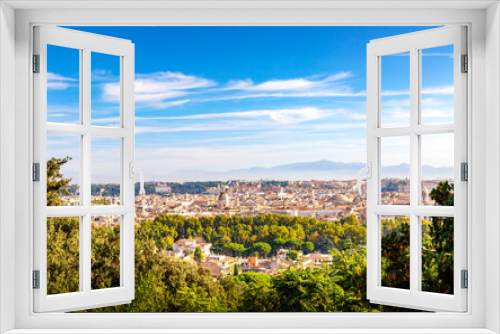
<point x="416" y="114"/>
<point x="88" y="271"/>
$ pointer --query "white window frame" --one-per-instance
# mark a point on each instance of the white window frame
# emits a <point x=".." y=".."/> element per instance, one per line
<point x="86" y="44"/>
<point x="413" y="43"/>
<point x="484" y="47"/>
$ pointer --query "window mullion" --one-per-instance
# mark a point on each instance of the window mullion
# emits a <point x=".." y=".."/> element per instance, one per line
<point x="85" y="230"/>
<point x="414" y="169"/>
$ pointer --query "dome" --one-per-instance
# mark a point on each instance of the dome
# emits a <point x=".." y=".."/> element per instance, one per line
<point x="223" y="197"/>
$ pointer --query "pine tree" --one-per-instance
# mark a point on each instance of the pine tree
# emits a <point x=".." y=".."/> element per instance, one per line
<point x="198" y="255"/>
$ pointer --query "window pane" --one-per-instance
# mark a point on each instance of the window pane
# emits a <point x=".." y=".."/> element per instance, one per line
<point x="106" y="91"/>
<point x="63" y="85"/>
<point x="106" y="171"/>
<point x="437" y="156"/>
<point x="395" y="251"/>
<point x="437" y="254"/>
<point x="395" y="170"/>
<point x="395" y="90"/>
<point x="63" y="169"/>
<point x="105" y="252"/>
<point x="63" y="255"/>
<point x="437" y="85"/>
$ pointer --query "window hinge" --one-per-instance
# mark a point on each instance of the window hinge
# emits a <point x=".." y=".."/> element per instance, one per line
<point x="36" y="172"/>
<point x="465" y="64"/>
<point x="36" y="279"/>
<point x="465" y="279"/>
<point x="464" y="171"/>
<point x="36" y="63"/>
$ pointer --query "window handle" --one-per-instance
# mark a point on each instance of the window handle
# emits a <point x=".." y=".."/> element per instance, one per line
<point x="368" y="171"/>
<point x="139" y="171"/>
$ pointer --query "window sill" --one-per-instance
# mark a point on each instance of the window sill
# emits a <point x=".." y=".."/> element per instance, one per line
<point x="250" y="331"/>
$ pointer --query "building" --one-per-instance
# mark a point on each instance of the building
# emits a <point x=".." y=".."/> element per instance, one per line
<point x="191" y="244"/>
<point x="163" y="188"/>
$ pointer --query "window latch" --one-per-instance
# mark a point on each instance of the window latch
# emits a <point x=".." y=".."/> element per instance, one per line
<point x="132" y="171"/>
<point x="368" y="171"/>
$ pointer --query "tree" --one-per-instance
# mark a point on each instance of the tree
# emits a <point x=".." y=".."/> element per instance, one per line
<point x="235" y="248"/>
<point x="198" y="255"/>
<point x="236" y="271"/>
<point x="188" y="252"/>
<point x="396" y="258"/>
<point x="437" y="251"/>
<point x="293" y="255"/>
<point x="306" y="290"/>
<point x="56" y="183"/>
<point x="262" y="248"/>
<point x="294" y="244"/>
<point x="308" y="247"/>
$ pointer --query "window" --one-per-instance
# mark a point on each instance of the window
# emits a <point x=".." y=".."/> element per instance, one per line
<point x="410" y="137"/>
<point x="235" y="244"/>
<point x="482" y="277"/>
<point x="80" y="276"/>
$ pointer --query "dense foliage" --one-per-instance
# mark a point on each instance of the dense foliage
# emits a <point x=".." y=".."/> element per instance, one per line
<point x="262" y="234"/>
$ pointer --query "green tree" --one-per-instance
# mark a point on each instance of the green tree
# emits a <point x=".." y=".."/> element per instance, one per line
<point x="396" y="258"/>
<point x="293" y="255"/>
<point x="306" y="290"/>
<point x="437" y="251"/>
<point x="235" y="249"/>
<point x="56" y="182"/>
<point x="262" y="248"/>
<point x="308" y="247"/>
<point x="198" y="255"/>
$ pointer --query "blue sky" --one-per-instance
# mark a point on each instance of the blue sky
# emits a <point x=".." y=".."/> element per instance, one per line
<point x="223" y="98"/>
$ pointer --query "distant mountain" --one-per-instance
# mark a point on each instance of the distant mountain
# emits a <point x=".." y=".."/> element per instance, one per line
<point x="318" y="170"/>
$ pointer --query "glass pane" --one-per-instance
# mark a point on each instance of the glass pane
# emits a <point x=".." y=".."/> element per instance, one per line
<point x="395" y="251"/>
<point x="395" y="170"/>
<point x="106" y="91"/>
<point x="63" y="255"/>
<point x="63" y="85"/>
<point x="105" y="252"/>
<point x="106" y="171"/>
<point x="437" y="168"/>
<point x="437" y="85"/>
<point x="63" y="169"/>
<point x="395" y="90"/>
<point x="437" y="254"/>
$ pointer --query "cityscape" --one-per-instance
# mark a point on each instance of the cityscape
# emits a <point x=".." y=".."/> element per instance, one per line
<point x="323" y="200"/>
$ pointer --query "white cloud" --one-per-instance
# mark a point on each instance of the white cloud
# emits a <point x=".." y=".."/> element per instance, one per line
<point x="161" y="90"/>
<point x="298" y="84"/>
<point x="334" y="92"/>
<point x="255" y="125"/>
<point x="59" y="82"/>
<point x="155" y="89"/>
<point x="102" y="75"/>
<point x="442" y="90"/>
<point x="278" y="115"/>
<point x="282" y="116"/>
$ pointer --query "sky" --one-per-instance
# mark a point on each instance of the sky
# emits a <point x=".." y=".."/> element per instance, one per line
<point x="225" y="98"/>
